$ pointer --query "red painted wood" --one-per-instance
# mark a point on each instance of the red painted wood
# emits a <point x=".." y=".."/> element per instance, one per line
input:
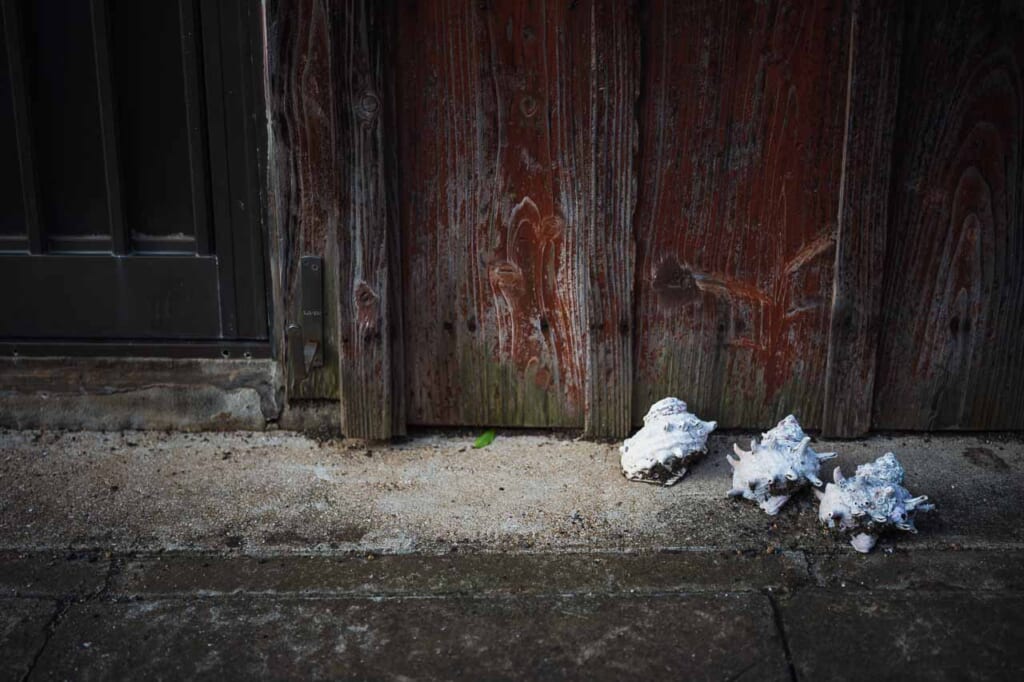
<point x="741" y="149"/>
<point x="950" y="354"/>
<point x="516" y="147"/>
<point x="607" y="251"/>
<point x="876" y="28"/>
<point x="579" y="236"/>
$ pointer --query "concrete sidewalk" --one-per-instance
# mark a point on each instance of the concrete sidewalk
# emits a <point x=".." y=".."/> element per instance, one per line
<point x="271" y="555"/>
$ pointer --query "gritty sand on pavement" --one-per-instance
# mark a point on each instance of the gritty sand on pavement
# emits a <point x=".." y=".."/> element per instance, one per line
<point x="281" y="491"/>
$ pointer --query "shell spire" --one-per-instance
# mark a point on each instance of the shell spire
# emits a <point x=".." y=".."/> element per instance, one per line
<point x="670" y="441"/>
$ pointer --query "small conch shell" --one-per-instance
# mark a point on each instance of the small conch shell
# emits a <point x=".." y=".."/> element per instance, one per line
<point x="780" y="465"/>
<point x="871" y="502"/>
<point x="671" y="439"/>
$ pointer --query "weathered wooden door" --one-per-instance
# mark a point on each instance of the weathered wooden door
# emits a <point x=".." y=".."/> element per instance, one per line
<point x="129" y="197"/>
<point x="556" y="213"/>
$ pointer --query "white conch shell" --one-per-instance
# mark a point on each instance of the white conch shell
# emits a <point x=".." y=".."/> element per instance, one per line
<point x="778" y="466"/>
<point x="871" y="502"/>
<point x="670" y="440"/>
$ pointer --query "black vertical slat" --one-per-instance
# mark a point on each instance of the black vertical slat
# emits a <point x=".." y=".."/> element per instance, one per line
<point x="108" y="125"/>
<point x="257" y="171"/>
<point x="13" y="27"/>
<point x="220" y="177"/>
<point x="198" y="171"/>
<point x="238" y="26"/>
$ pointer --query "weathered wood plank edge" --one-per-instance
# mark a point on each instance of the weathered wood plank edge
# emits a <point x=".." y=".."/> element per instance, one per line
<point x="302" y="176"/>
<point x="863" y="215"/>
<point x="615" y="92"/>
<point x="370" y="336"/>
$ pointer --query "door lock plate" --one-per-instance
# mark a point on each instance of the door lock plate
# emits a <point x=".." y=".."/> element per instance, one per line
<point x="305" y="338"/>
<point x="311" y="281"/>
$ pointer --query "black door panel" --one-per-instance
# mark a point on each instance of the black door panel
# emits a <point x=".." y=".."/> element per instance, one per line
<point x="129" y="151"/>
<point x="98" y="297"/>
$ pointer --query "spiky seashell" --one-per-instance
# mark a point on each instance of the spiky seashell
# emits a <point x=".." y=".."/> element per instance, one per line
<point x="670" y="440"/>
<point x="871" y="502"/>
<point x="806" y="461"/>
<point x="777" y="467"/>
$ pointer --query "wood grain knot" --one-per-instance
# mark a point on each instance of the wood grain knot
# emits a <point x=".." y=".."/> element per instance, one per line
<point x="551" y="228"/>
<point x="368" y="107"/>
<point x="367" y="307"/>
<point x="673" y="283"/>
<point x="507" y="277"/>
<point x="528" y="105"/>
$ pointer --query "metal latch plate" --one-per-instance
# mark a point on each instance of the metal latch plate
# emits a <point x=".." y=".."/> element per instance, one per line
<point x="311" y="282"/>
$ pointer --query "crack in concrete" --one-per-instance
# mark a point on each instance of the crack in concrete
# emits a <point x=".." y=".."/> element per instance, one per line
<point x="780" y="626"/>
<point x="110" y="591"/>
<point x="63" y="606"/>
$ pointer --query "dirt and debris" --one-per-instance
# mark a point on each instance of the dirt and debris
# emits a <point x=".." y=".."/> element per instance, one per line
<point x="293" y="557"/>
<point x="280" y="490"/>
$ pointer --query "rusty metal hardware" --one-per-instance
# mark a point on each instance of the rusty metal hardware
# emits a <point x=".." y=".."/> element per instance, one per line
<point x="305" y="339"/>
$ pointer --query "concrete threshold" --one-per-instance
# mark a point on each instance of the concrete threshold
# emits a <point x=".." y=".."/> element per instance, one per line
<point x="281" y="492"/>
<point x="243" y="555"/>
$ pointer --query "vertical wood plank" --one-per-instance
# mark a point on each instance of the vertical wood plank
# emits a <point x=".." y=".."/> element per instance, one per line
<point x="516" y="143"/>
<point x="876" y="28"/>
<point x="304" y="171"/>
<point x="369" y="316"/>
<point x="108" y="125"/>
<point x="949" y="354"/>
<point x="742" y="118"/>
<point x="608" y="246"/>
<point x="490" y="338"/>
<point x="13" y="28"/>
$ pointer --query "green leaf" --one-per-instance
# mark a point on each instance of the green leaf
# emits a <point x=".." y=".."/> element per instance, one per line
<point x="485" y="439"/>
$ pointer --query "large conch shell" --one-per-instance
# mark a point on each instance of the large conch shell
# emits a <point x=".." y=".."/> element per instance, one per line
<point x="871" y="502"/>
<point x="669" y="442"/>
<point x="777" y="467"/>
